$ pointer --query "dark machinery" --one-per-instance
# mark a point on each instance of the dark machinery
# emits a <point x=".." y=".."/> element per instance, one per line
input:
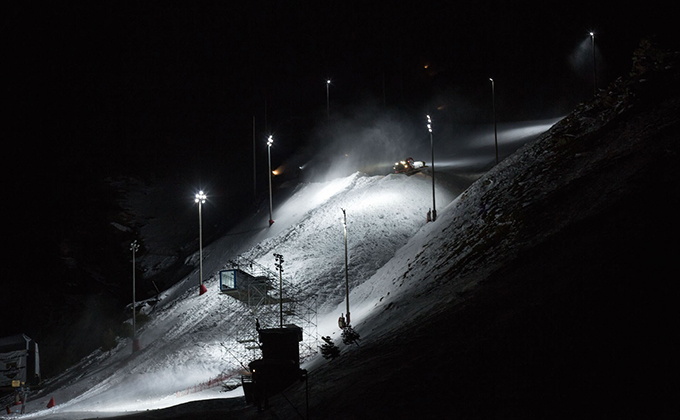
<point x="19" y="362"/>
<point x="279" y="366"/>
<point x="408" y="166"/>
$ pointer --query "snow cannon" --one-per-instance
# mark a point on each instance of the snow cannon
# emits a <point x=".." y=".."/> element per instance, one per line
<point x="408" y="166"/>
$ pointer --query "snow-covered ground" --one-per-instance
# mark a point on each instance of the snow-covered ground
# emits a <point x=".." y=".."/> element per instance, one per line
<point x="182" y="345"/>
<point x="190" y="339"/>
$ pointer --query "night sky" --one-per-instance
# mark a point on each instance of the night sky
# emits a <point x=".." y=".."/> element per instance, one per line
<point x="130" y="83"/>
<point x="170" y="89"/>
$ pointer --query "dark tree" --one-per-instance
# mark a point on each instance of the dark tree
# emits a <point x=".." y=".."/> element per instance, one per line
<point x="349" y="336"/>
<point x="329" y="350"/>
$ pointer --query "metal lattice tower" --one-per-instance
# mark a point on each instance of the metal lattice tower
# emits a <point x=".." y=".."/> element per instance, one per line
<point x="270" y="300"/>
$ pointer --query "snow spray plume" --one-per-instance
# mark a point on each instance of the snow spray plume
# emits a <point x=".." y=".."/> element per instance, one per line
<point x="461" y="103"/>
<point x="146" y="387"/>
<point x="511" y="132"/>
<point x="368" y="141"/>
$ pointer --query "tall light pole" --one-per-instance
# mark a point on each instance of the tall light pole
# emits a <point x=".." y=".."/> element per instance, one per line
<point x="270" y="141"/>
<point x="134" y="247"/>
<point x="493" y="102"/>
<point x="592" y="44"/>
<point x="279" y="267"/>
<point x="328" y="98"/>
<point x="254" y="163"/>
<point x="200" y="199"/>
<point x="434" y="206"/>
<point x="344" y="223"/>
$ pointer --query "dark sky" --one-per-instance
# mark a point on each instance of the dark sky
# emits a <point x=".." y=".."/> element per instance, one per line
<point x="170" y="86"/>
<point x="95" y="88"/>
<point x="94" y="81"/>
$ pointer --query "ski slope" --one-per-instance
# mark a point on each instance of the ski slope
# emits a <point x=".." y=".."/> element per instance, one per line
<point x="396" y="260"/>
<point x="401" y="268"/>
<point x="186" y="342"/>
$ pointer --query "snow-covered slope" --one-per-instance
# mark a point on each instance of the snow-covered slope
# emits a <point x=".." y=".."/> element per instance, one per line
<point x="187" y="340"/>
<point x="408" y="277"/>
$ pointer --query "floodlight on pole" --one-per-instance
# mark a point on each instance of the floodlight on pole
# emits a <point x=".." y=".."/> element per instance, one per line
<point x="328" y="100"/>
<point x="493" y="104"/>
<point x="270" y="141"/>
<point x="134" y="247"/>
<point x="434" y="206"/>
<point x="592" y="45"/>
<point x="200" y="199"/>
<point x="344" y="223"/>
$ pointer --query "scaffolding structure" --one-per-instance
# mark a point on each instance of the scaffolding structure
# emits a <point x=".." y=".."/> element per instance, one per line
<point x="262" y="298"/>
